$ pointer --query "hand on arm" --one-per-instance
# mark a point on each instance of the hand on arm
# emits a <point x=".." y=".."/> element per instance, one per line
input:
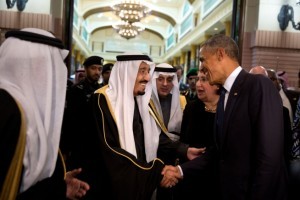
<point x="195" y="152"/>
<point x="75" y="187"/>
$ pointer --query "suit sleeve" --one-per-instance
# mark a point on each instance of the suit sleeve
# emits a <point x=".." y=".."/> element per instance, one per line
<point x="268" y="140"/>
<point x="200" y="165"/>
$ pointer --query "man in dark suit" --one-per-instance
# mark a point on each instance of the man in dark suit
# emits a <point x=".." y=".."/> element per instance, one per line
<point x="249" y="143"/>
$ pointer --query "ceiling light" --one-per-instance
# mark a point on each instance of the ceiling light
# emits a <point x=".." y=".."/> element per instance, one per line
<point x="131" y="10"/>
<point x="128" y="30"/>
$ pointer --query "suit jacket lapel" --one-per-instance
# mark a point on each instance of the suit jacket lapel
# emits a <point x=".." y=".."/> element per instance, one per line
<point x="231" y="102"/>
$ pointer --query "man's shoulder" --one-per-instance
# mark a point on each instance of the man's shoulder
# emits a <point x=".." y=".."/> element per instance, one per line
<point x="101" y="90"/>
<point x="101" y="85"/>
<point x="252" y="80"/>
<point x="77" y="90"/>
<point x="77" y="86"/>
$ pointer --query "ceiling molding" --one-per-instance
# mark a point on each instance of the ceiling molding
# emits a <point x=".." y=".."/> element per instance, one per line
<point x="100" y="29"/>
<point x="163" y="16"/>
<point x="155" y="33"/>
<point x="96" y="11"/>
<point x="110" y="27"/>
<point x="109" y="9"/>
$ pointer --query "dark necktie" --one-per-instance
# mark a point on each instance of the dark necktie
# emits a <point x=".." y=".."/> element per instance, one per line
<point x="220" y="113"/>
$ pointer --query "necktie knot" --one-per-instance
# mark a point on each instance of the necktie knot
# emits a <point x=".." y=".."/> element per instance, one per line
<point x="222" y="91"/>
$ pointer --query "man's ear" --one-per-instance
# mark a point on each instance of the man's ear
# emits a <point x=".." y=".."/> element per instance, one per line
<point x="220" y="53"/>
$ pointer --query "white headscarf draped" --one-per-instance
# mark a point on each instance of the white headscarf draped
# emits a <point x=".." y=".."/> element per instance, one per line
<point x="174" y="124"/>
<point x="36" y="76"/>
<point x="120" y="93"/>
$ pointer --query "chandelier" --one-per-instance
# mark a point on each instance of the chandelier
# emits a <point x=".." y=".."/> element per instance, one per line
<point x="131" y="10"/>
<point x="128" y="30"/>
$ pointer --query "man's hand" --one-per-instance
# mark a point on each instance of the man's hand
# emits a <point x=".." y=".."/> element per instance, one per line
<point x="171" y="176"/>
<point x="75" y="187"/>
<point x="195" y="152"/>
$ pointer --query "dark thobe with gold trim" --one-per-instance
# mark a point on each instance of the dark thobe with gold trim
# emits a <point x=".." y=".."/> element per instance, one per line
<point x="53" y="187"/>
<point x="112" y="171"/>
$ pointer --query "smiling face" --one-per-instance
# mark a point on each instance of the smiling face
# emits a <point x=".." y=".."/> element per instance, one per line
<point x="219" y="57"/>
<point x="142" y="79"/>
<point x="211" y="66"/>
<point x="164" y="84"/>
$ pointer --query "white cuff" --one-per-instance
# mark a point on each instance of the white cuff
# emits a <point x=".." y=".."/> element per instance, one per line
<point x="181" y="173"/>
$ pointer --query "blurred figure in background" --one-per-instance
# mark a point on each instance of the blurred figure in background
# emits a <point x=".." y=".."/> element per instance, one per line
<point x="106" y="73"/>
<point x="259" y="70"/>
<point x="77" y="98"/>
<point x="182" y="86"/>
<point x="292" y="93"/>
<point x="191" y="93"/>
<point x="79" y="75"/>
<point x="283" y="79"/>
<point x="285" y="100"/>
<point x="295" y="161"/>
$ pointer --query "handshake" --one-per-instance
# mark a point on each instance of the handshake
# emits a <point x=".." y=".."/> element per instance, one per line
<point x="172" y="174"/>
<point x="171" y="177"/>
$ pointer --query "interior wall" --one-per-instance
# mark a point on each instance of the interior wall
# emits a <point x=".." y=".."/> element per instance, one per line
<point x="265" y="44"/>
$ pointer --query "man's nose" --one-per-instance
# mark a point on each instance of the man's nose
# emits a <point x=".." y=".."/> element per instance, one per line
<point x="147" y="77"/>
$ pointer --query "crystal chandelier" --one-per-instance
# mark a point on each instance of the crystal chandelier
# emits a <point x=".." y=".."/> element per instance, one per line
<point x="128" y="30"/>
<point x="131" y="10"/>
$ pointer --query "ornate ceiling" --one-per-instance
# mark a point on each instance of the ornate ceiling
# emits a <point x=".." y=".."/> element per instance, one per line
<point x="98" y="16"/>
